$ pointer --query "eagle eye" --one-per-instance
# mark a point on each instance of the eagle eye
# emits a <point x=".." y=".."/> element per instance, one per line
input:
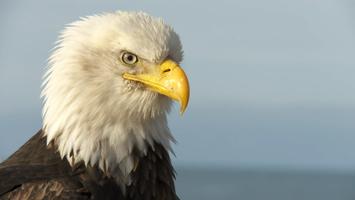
<point x="129" y="58"/>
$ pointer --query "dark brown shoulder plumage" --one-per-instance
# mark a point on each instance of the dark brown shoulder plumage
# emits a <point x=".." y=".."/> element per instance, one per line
<point x="36" y="171"/>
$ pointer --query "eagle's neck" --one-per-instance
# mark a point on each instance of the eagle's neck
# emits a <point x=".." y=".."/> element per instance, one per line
<point x="115" y="148"/>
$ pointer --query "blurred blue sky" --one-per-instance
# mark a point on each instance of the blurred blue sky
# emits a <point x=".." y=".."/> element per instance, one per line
<point x="273" y="82"/>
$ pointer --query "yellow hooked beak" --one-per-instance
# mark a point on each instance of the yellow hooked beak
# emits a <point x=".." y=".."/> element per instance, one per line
<point x="168" y="79"/>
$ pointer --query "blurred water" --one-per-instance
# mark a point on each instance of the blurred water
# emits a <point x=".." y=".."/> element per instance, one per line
<point x="196" y="184"/>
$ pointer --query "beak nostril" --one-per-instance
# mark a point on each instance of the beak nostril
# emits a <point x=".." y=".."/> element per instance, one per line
<point x="166" y="70"/>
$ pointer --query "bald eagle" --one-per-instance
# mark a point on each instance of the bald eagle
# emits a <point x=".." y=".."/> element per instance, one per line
<point x="109" y="85"/>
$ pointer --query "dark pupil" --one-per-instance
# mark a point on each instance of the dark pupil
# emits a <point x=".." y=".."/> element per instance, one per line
<point x="130" y="58"/>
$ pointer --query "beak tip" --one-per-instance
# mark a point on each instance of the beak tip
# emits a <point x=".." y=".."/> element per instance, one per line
<point x="182" y="112"/>
<point x="182" y="108"/>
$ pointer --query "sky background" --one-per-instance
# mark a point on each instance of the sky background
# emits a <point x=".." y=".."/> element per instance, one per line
<point x="272" y="82"/>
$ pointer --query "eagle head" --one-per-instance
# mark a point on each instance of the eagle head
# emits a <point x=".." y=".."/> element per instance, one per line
<point x="108" y="87"/>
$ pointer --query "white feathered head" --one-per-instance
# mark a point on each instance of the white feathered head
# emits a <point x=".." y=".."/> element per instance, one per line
<point x="109" y="85"/>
